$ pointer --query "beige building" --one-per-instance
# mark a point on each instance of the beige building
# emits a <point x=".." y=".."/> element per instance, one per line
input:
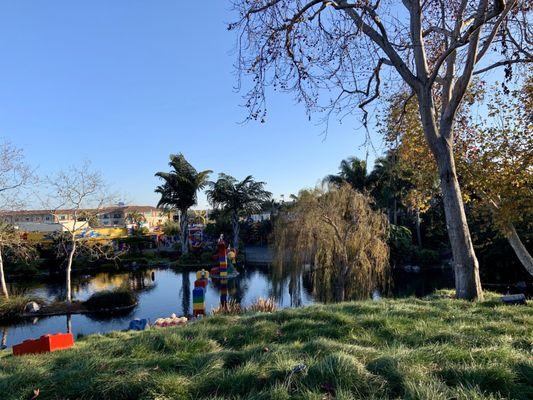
<point x="119" y="216"/>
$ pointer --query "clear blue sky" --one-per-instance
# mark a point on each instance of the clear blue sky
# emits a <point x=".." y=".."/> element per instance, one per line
<point x="123" y="83"/>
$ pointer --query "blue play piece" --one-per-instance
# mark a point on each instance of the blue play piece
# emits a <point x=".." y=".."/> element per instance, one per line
<point x="139" y="324"/>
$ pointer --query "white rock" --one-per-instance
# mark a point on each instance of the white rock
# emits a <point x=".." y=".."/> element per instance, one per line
<point x="31" y="307"/>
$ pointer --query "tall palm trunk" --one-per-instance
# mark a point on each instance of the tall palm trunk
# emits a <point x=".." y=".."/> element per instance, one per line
<point x="236" y="229"/>
<point x="467" y="281"/>
<point x="3" y="283"/>
<point x="184" y="229"/>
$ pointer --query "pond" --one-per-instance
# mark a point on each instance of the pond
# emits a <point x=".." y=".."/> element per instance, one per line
<point x="163" y="291"/>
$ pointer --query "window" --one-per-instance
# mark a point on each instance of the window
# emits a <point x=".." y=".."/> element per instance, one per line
<point x="27" y="219"/>
<point x="117" y="215"/>
<point x="106" y="216"/>
<point x="48" y="218"/>
<point x="115" y="222"/>
<point x="62" y="217"/>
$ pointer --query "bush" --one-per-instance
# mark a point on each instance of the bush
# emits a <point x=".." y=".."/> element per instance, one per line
<point x="188" y="259"/>
<point x="425" y="257"/>
<point x="11" y="309"/>
<point x="400" y="244"/>
<point x="119" y="297"/>
<point x="206" y="257"/>
<point x="263" y="305"/>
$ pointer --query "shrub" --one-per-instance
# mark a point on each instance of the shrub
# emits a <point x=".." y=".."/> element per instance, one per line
<point x="425" y="257"/>
<point x="11" y="309"/>
<point x="206" y="257"/>
<point x="263" y="305"/>
<point x="188" y="258"/>
<point x="119" y="297"/>
<point x="231" y="308"/>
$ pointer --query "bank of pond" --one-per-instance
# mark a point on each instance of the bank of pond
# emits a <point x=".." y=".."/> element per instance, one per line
<point x="430" y="348"/>
<point x="162" y="291"/>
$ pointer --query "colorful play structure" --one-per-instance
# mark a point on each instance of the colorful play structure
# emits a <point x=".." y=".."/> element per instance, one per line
<point x="226" y="262"/>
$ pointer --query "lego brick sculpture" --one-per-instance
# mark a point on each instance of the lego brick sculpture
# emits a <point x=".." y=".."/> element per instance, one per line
<point x="44" y="344"/>
<point x="198" y="301"/>
<point x="222" y="260"/>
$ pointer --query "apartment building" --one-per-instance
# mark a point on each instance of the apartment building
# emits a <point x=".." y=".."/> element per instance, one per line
<point x="119" y="216"/>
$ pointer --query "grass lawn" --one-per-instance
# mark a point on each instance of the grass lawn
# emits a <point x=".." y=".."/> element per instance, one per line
<point x="434" y="348"/>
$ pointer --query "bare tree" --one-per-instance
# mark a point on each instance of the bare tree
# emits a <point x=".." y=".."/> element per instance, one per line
<point x="14" y="175"/>
<point x="340" y="50"/>
<point x="78" y="196"/>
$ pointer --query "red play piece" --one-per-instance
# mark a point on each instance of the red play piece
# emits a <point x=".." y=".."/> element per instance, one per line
<point x="200" y="283"/>
<point x="44" y="344"/>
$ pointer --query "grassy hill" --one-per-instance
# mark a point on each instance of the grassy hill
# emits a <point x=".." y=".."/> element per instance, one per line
<point x="433" y="348"/>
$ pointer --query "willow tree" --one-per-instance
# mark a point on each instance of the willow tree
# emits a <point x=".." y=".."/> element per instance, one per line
<point x="341" y="236"/>
<point x="334" y="54"/>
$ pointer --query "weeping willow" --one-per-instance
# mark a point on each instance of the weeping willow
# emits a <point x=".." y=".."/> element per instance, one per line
<point x="341" y="237"/>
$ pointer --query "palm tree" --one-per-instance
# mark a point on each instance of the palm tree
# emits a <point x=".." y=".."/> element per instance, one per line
<point x="179" y="191"/>
<point x="387" y="185"/>
<point x="351" y="170"/>
<point x="246" y="196"/>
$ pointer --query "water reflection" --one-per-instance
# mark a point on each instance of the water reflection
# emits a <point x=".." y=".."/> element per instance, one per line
<point x="161" y="293"/>
<point x="185" y="293"/>
<point x="165" y="291"/>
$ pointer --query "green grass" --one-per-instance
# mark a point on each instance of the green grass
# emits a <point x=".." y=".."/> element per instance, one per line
<point x="435" y="348"/>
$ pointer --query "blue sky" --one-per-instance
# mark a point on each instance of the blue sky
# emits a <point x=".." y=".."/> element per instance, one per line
<point x="123" y="83"/>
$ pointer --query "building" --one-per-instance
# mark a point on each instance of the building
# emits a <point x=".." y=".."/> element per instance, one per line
<point x="119" y="216"/>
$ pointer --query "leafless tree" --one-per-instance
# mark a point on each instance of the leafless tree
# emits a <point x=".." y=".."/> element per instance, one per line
<point x="80" y="195"/>
<point x="334" y="56"/>
<point x="14" y="175"/>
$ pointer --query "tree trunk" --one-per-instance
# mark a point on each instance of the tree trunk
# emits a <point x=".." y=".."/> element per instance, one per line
<point x="339" y="294"/>
<point x="69" y="323"/>
<point x="236" y="230"/>
<point x="467" y="281"/>
<point x="418" y="233"/>
<point x="519" y="248"/>
<point x="69" y="271"/>
<point x="3" y="283"/>
<point x="185" y="293"/>
<point x="184" y="228"/>
<point x="395" y="211"/>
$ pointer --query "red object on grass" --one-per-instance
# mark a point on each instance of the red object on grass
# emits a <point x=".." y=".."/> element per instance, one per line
<point x="44" y="344"/>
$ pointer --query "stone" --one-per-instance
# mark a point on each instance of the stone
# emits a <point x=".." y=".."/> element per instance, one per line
<point x="31" y="307"/>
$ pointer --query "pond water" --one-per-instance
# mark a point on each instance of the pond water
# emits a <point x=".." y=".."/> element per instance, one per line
<point x="163" y="291"/>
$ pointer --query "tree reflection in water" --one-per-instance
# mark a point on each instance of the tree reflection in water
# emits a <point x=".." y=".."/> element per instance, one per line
<point x="185" y="292"/>
<point x="279" y="277"/>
